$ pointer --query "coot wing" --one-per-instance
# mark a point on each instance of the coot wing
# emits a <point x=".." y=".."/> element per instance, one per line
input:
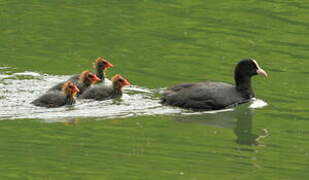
<point x="58" y="86"/>
<point x="206" y="95"/>
<point x="97" y="92"/>
<point x="74" y="78"/>
<point x="105" y="82"/>
<point x="177" y="88"/>
<point x="50" y="100"/>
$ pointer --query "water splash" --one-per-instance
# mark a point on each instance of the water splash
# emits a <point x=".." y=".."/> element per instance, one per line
<point x="257" y="103"/>
<point x="18" y="89"/>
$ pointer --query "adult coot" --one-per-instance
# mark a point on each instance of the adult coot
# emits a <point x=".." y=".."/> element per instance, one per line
<point x="58" y="98"/>
<point x="215" y="95"/>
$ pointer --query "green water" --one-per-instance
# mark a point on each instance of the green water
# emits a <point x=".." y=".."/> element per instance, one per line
<point x="156" y="44"/>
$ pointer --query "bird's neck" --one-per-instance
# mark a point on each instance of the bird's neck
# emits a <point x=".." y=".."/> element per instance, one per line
<point x="117" y="86"/>
<point x="117" y="93"/>
<point x="87" y="83"/>
<point x="100" y="74"/>
<point x="70" y="99"/>
<point x="243" y="85"/>
<point x="117" y="89"/>
<point x="83" y="83"/>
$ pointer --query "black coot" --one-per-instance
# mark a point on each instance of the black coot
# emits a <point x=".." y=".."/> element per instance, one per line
<point x="215" y="95"/>
<point x="58" y="98"/>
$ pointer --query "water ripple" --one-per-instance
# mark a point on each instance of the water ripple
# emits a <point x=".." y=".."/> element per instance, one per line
<point x="19" y="89"/>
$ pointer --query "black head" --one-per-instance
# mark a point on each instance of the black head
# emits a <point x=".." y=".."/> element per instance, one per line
<point x="248" y="68"/>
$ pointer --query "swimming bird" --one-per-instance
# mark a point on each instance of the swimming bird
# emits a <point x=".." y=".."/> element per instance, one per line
<point x="215" y="95"/>
<point x="106" y="92"/>
<point x="58" y="98"/>
<point x="84" y="80"/>
<point x="101" y="65"/>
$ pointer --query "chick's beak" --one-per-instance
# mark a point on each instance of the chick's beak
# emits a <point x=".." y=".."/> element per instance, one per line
<point x="109" y="65"/>
<point x="261" y="72"/>
<point x="75" y="89"/>
<point x="126" y="83"/>
<point x="95" y="78"/>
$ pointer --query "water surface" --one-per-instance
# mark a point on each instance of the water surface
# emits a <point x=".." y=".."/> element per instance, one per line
<point x="155" y="44"/>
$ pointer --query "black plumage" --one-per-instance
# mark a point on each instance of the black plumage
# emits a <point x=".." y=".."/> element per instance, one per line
<point x="58" y="98"/>
<point x="106" y="92"/>
<point x="215" y="95"/>
<point x="101" y="65"/>
<point x="101" y="93"/>
<point x="82" y="81"/>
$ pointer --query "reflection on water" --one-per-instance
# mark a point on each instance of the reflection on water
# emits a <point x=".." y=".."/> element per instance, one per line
<point x="244" y="125"/>
<point x="240" y="120"/>
<point x="155" y="44"/>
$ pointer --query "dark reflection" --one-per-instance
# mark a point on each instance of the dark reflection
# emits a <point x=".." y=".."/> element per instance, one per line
<point x="240" y="119"/>
<point x="243" y="129"/>
<point x="72" y="121"/>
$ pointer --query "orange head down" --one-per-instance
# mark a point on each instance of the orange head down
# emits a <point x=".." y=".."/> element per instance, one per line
<point x="69" y="88"/>
<point x="88" y="77"/>
<point x="119" y="81"/>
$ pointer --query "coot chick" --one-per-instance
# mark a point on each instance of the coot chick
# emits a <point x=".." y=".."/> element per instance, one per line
<point x="58" y="98"/>
<point x="106" y="92"/>
<point x="101" y="65"/>
<point x="215" y="95"/>
<point x="85" y="79"/>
